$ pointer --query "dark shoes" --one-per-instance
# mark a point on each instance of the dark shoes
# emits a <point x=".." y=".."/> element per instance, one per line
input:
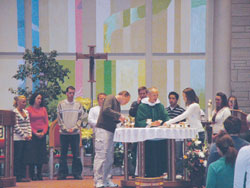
<point x="39" y="178"/>
<point x="60" y="177"/>
<point x="22" y="180"/>
<point x="36" y="178"/>
<point x="78" y="177"/>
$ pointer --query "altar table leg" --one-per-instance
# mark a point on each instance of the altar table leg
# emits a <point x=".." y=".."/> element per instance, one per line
<point x="126" y="161"/>
<point x="141" y="159"/>
<point x="172" y="159"/>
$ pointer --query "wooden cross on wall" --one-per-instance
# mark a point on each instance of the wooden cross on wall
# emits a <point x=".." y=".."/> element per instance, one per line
<point x="92" y="56"/>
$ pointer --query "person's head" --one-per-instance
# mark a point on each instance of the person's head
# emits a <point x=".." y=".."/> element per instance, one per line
<point x="232" y="125"/>
<point x="100" y="98"/>
<point x="173" y="98"/>
<point x="189" y="96"/>
<point x="142" y="92"/>
<point x="220" y="100"/>
<point x="20" y="102"/>
<point x="232" y="102"/>
<point x="153" y="94"/>
<point x="123" y="97"/>
<point x="70" y="92"/>
<point x="226" y="148"/>
<point x="37" y="99"/>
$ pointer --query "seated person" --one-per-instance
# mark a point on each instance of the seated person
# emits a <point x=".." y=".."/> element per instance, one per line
<point x="155" y="150"/>
<point x="232" y="127"/>
<point x="242" y="168"/>
<point x="221" y="172"/>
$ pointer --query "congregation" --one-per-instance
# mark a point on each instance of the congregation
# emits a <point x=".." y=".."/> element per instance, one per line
<point x="32" y="126"/>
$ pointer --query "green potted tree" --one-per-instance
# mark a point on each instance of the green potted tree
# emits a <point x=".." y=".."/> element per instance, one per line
<point x="46" y="72"/>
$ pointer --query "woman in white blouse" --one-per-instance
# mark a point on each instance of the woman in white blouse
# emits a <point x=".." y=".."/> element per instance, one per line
<point x="220" y="113"/>
<point x="192" y="113"/>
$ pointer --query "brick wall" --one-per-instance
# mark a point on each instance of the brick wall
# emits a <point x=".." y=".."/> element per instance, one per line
<point x="240" y="54"/>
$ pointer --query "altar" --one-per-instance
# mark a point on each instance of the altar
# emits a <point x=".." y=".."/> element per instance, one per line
<point x="130" y="135"/>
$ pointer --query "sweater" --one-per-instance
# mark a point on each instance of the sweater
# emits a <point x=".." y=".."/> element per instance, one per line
<point x="22" y="127"/>
<point x="242" y="168"/>
<point x="221" y="116"/>
<point x="69" y="116"/>
<point x="220" y="174"/>
<point x="38" y="119"/>
<point x="192" y="116"/>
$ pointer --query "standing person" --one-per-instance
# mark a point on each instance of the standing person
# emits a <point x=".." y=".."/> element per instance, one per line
<point x="174" y="110"/>
<point x="39" y="124"/>
<point x="155" y="150"/>
<point x="69" y="114"/>
<point x="232" y="103"/>
<point x="104" y="146"/>
<point x="192" y="113"/>
<point x="220" y="113"/>
<point x="221" y="172"/>
<point x="94" y="114"/>
<point x="22" y="137"/>
<point x="94" y="111"/>
<point x="142" y="93"/>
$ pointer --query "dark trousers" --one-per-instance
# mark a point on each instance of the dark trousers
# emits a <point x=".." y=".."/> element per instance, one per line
<point x="73" y="141"/>
<point x="20" y="158"/>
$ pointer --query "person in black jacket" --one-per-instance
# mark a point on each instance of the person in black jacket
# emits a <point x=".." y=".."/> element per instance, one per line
<point x="142" y="93"/>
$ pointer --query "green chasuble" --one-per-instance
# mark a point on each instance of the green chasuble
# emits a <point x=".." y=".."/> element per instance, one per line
<point x="145" y="111"/>
<point x="155" y="150"/>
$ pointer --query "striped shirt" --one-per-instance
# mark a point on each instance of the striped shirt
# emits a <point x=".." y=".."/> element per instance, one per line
<point x="22" y="127"/>
<point x="173" y="112"/>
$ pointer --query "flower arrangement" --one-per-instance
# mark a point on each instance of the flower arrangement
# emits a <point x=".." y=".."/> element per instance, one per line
<point x="195" y="161"/>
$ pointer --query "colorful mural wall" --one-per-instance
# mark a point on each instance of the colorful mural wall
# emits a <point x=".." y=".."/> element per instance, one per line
<point x="178" y="26"/>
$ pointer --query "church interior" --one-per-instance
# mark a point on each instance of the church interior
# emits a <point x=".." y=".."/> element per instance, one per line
<point x="167" y="44"/>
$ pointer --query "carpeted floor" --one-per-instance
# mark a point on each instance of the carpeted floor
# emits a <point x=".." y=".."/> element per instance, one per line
<point x="87" y="182"/>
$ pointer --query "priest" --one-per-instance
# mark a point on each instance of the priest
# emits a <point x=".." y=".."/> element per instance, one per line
<point x="155" y="150"/>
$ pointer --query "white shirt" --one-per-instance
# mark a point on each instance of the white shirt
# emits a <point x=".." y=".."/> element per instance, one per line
<point x="192" y="116"/>
<point x="93" y="116"/>
<point x="242" y="168"/>
<point x="221" y="116"/>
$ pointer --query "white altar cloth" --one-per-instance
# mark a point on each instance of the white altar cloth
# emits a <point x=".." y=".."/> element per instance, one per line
<point x="142" y="134"/>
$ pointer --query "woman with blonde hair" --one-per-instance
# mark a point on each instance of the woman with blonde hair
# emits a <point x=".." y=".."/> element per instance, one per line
<point x="22" y="136"/>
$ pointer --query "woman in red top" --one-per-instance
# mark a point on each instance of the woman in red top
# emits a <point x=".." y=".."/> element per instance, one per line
<point x="39" y="124"/>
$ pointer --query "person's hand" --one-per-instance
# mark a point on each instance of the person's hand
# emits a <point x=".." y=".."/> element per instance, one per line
<point x="39" y="135"/>
<point x="70" y="130"/>
<point x="165" y="124"/>
<point x="28" y="138"/>
<point x="138" y="100"/>
<point x="156" y="123"/>
<point x="122" y="118"/>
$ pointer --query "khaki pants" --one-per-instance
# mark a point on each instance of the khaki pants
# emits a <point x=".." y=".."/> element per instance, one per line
<point x="104" y="155"/>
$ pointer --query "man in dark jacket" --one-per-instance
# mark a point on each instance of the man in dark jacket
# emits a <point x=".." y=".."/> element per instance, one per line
<point x="109" y="116"/>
